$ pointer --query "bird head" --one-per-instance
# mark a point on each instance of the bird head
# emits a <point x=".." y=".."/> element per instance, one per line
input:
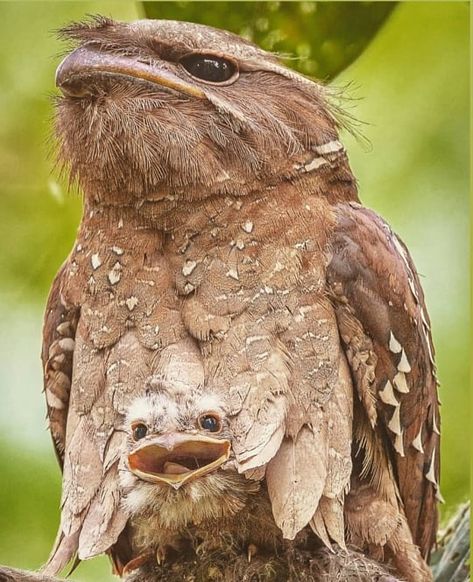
<point x="157" y="108"/>
<point x="173" y="441"/>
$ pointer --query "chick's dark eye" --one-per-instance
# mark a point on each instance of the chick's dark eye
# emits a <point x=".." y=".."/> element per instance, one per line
<point x="209" y="67"/>
<point x="210" y="422"/>
<point x="140" y="431"/>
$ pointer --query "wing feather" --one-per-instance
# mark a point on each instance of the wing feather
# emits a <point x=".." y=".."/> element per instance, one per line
<point x="385" y="329"/>
<point x="59" y="330"/>
<point x="296" y="478"/>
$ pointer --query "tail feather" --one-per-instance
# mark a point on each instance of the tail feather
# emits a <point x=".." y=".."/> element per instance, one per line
<point x="64" y="550"/>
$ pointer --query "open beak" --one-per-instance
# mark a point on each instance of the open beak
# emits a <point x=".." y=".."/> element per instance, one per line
<point x="85" y="65"/>
<point x="177" y="458"/>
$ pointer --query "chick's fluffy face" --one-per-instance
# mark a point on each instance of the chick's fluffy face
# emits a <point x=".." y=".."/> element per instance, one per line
<point x="120" y="133"/>
<point x="218" y="494"/>
<point x="170" y="409"/>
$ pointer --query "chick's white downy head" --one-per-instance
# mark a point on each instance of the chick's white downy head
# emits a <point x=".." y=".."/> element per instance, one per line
<point x="173" y="466"/>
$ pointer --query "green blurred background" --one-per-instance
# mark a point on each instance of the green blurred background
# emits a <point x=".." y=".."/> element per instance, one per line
<point x="411" y="87"/>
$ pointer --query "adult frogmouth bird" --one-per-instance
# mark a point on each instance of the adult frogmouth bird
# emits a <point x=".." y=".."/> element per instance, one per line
<point x="220" y="209"/>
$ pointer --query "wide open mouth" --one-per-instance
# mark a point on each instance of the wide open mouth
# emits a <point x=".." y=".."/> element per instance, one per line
<point x="176" y="459"/>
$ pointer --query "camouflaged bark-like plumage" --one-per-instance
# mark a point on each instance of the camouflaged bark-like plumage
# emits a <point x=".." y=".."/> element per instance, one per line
<point x="227" y="215"/>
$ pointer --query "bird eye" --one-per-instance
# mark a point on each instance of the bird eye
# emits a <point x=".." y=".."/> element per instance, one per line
<point x="140" y="431"/>
<point x="210" y="422"/>
<point x="209" y="67"/>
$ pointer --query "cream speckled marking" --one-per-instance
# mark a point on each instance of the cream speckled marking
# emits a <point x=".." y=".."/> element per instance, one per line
<point x="387" y="394"/>
<point x="233" y="273"/>
<point x="427" y="338"/>
<point x="148" y="282"/>
<point x="74" y="269"/>
<point x="222" y="297"/>
<point x="131" y="302"/>
<point x="434" y="425"/>
<point x="64" y="329"/>
<point x="424" y="319"/>
<point x="247" y="226"/>
<point x="430" y="475"/>
<point x="329" y="147"/>
<point x="400" y="383"/>
<point x="154" y="269"/>
<point x="412" y="287"/>
<point x="95" y="261"/>
<point x="399" y="444"/>
<point x="417" y="442"/>
<point x="53" y="401"/>
<point x="222" y="177"/>
<point x="404" y="365"/>
<point x="188" y="267"/>
<point x="314" y="164"/>
<point x="115" y="274"/>
<point x="402" y="253"/>
<point x="394" y="345"/>
<point x="67" y="344"/>
<point x="255" y="338"/>
<point x="395" y="423"/>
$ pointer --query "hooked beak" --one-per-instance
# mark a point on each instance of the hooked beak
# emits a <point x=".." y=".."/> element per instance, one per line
<point x="177" y="458"/>
<point x="85" y="65"/>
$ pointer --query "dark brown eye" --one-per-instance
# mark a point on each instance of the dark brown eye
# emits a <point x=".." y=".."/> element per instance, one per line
<point x="140" y="431"/>
<point x="209" y="67"/>
<point x="210" y="422"/>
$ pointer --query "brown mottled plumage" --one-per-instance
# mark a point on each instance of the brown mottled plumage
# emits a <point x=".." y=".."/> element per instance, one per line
<point x="220" y="210"/>
<point x="167" y="514"/>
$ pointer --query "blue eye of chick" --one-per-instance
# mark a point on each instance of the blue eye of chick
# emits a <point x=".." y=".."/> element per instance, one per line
<point x="210" y="422"/>
<point x="140" y="431"/>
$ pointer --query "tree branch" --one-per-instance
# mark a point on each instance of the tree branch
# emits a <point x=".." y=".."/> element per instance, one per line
<point x="450" y="562"/>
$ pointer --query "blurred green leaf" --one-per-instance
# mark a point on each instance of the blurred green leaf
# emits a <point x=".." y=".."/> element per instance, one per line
<point x="325" y="37"/>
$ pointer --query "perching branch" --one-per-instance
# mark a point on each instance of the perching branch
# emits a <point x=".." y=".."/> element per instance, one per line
<point x="450" y="563"/>
<point x="13" y="575"/>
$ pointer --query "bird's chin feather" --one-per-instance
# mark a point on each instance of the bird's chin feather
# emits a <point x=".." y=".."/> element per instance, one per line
<point x="216" y="495"/>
